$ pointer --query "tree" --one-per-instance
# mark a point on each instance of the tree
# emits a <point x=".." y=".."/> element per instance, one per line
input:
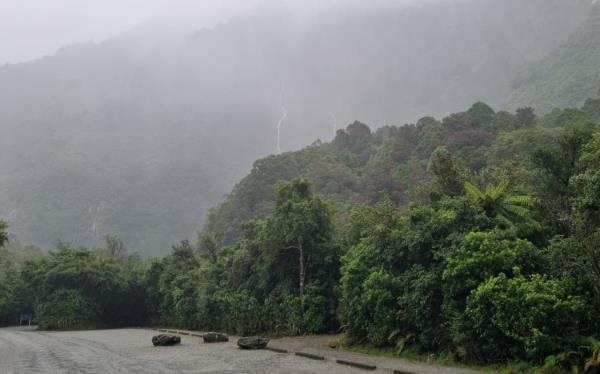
<point x="430" y="135"/>
<point x="115" y="247"/>
<point x="356" y="138"/>
<point x="481" y="114"/>
<point x="209" y="243"/>
<point x="447" y="180"/>
<point x="497" y="203"/>
<point x="585" y="211"/>
<point x="300" y="222"/>
<point x="3" y="233"/>
<point x="526" y="116"/>
<point x="558" y="162"/>
<point x="177" y="286"/>
<point x="505" y="121"/>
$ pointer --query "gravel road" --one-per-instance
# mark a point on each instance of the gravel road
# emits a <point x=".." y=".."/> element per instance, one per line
<point x="130" y="351"/>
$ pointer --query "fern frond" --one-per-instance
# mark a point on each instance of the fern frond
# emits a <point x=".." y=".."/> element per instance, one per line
<point x="496" y="192"/>
<point x="474" y="192"/>
<point x="522" y="200"/>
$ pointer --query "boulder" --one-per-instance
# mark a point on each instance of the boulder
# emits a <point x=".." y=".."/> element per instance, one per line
<point x="252" y="343"/>
<point x="215" y="337"/>
<point x="165" y="340"/>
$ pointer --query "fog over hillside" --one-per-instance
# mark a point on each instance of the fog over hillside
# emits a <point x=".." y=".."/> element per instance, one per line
<point x="140" y="134"/>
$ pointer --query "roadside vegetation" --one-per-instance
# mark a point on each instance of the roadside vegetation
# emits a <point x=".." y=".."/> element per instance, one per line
<point x="474" y="238"/>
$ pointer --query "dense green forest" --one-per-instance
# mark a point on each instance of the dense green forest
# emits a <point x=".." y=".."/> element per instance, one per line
<point x="475" y="237"/>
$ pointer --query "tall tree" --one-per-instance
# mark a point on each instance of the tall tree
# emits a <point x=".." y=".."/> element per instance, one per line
<point x="301" y="222"/>
<point x="446" y="177"/>
<point x="209" y="243"/>
<point x="115" y="247"/>
<point x="558" y="163"/>
<point x="3" y="233"/>
<point x="526" y="116"/>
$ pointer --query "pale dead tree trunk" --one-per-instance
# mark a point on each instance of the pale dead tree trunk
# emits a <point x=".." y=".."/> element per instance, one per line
<point x="302" y="265"/>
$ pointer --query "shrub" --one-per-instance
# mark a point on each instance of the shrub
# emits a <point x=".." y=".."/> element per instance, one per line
<point x="419" y="307"/>
<point x="538" y="313"/>
<point x="311" y="316"/>
<point x="66" y="309"/>
<point x="379" y="302"/>
<point x="242" y="313"/>
<point x="482" y="255"/>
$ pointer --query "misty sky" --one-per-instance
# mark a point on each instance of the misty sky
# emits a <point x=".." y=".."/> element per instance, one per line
<point x="33" y="28"/>
<point x="30" y="29"/>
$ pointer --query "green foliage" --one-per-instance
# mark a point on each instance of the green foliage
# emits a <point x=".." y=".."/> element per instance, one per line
<point x="587" y="184"/>
<point x="446" y="178"/>
<point x="480" y="256"/>
<point x="526" y="116"/>
<point x="356" y="139"/>
<point x="66" y="309"/>
<point x="175" y="287"/>
<point x="420" y="305"/>
<point x="537" y="313"/>
<point x="430" y="135"/>
<point x="240" y="312"/>
<point x="481" y="114"/>
<point x="10" y="286"/>
<point x="378" y="303"/>
<point x="280" y="277"/>
<point x="310" y="315"/>
<point x="356" y="269"/>
<point x="498" y="204"/>
<point x="558" y="162"/>
<point x="71" y="287"/>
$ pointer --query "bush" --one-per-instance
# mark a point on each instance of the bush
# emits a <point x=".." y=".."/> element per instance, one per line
<point x="419" y="307"/>
<point x="379" y="302"/>
<point x="10" y="303"/>
<point x="482" y="255"/>
<point x="242" y="313"/>
<point x="311" y="316"/>
<point x="539" y="314"/>
<point x="66" y="309"/>
<point x="357" y="265"/>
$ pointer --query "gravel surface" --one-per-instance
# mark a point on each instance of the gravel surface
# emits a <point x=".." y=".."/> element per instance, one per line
<point x="24" y="350"/>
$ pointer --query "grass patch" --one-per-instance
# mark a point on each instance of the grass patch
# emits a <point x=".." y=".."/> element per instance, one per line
<point x="442" y="359"/>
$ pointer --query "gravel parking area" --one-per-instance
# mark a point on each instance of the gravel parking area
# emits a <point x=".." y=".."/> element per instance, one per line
<point x="25" y="350"/>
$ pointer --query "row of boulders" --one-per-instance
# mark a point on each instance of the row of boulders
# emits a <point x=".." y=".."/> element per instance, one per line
<point x="213" y="337"/>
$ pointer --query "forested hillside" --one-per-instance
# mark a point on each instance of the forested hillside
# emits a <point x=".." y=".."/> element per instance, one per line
<point x="474" y="237"/>
<point x="566" y="77"/>
<point x="140" y="134"/>
<point x="363" y="166"/>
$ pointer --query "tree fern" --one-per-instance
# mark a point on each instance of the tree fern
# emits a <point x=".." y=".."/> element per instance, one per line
<point x="498" y="204"/>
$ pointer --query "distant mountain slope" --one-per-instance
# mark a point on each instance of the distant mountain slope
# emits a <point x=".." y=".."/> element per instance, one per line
<point x="566" y="77"/>
<point x="137" y="137"/>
